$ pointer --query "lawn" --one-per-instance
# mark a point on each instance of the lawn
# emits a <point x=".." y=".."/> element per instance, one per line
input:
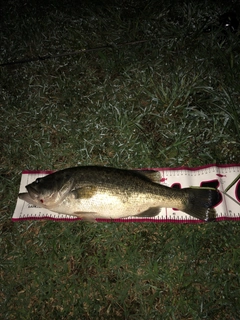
<point x="128" y="84"/>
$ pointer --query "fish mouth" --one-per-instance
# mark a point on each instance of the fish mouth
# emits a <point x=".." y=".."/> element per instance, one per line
<point x="26" y="197"/>
<point x="23" y="195"/>
<point x="33" y="193"/>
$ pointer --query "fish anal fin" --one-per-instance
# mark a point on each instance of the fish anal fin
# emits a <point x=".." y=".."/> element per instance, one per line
<point x="151" y="212"/>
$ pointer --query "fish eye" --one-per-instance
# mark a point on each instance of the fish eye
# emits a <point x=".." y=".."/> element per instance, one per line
<point x="37" y="180"/>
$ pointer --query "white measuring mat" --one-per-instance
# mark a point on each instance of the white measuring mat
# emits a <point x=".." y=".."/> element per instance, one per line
<point x="226" y="178"/>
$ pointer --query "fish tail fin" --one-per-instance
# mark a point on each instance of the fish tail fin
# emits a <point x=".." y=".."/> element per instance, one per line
<point x="201" y="202"/>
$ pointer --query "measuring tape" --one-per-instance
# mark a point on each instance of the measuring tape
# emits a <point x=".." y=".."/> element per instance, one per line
<point x="225" y="178"/>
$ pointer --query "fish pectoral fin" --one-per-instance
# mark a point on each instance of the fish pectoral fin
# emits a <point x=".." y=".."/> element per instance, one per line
<point x="85" y="192"/>
<point x="86" y="216"/>
<point x="151" y="212"/>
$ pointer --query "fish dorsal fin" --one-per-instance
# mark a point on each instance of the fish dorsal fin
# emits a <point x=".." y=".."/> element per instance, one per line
<point x="154" y="176"/>
<point x="85" y="192"/>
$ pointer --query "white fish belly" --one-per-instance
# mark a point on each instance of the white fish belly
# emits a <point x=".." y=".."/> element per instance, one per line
<point x="105" y="206"/>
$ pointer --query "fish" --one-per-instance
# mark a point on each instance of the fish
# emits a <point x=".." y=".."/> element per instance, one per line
<point x="99" y="192"/>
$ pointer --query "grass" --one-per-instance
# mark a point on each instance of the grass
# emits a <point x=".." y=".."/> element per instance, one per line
<point x="171" y="100"/>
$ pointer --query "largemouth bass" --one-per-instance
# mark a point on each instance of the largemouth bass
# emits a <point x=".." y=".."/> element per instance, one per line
<point x="92" y="192"/>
